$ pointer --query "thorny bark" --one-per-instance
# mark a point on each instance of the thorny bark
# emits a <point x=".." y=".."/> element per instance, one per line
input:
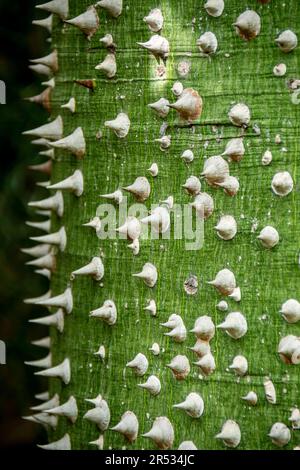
<point x="239" y="72"/>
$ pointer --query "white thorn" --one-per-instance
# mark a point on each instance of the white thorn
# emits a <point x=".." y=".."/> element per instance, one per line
<point x="151" y="307"/>
<point x="169" y="202"/>
<point x="155" y="20"/>
<point x="159" y="220"/>
<point x="180" y="367"/>
<point x="95" y="269"/>
<point x="139" y="364"/>
<point x="235" y="325"/>
<point x="215" y="170"/>
<point x="236" y="294"/>
<point x="204" y="328"/>
<point x="224" y="282"/>
<point x="44" y="226"/>
<point x="192" y="185"/>
<point x="108" y="312"/>
<point x="207" y="364"/>
<point x="43" y="167"/>
<point x="187" y="445"/>
<point x="235" y="149"/>
<point x="153" y="170"/>
<point x="239" y="365"/>
<point x="101" y="352"/>
<point x="187" y="156"/>
<point x="44" y="419"/>
<point x="74" y="143"/>
<point x="174" y="320"/>
<point x="87" y="22"/>
<point x="188" y="105"/>
<point x="131" y="228"/>
<point x="48" y="153"/>
<point x="201" y="347"/>
<point x="57" y="238"/>
<point x="226" y="227"/>
<point x="161" y="107"/>
<point x="107" y="40"/>
<point x="45" y="262"/>
<point x="50" y="83"/>
<point x="116" y="196"/>
<point x="50" y="61"/>
<point x="56" y="319"/>
<point x="37" y="251"/>
<point x="162" y="433"/>
<point x="290" y="310"/>
<point x="68" y="409"/>
<point x="108" y="66"/>
<point x="251" y="398"/>
<point x="193" y="405"/>
<point x="230" y="434"/>
<point x="114" y="7"/>
<point x="280" y="434"/>
<point x="135" y="246"/>
<point x="222" y="306"/>
<point x="62" y="371"/>
<point x="58" y="7"/>
<point x="52" y="131"/>
<point x="99" y="442"/>
<point x="178" y="333"/>
<point x="70" y="105"/>
<point x="98" y="401"/>
<point x="44" y="363"/>
<point x="44" y="272"/>
<point x="35" y="300"/>
<point x="45" y="23"/>
<point x="270" y="392"/>
<point x="128" y="426"/>
<point x="120" y="125"/>
<point x="295" y="418"/>
<point x="155" y="349"/>
<point x="62" y="444"/>
<point x="95" y="223"/>
<point x="165" y="142"/>
<point x="148" y="274"/>
<point x="207" y="43"/>
<point x="282" y="184"/>
<point x="240" y="115"/>
<point x="43" y="342"/>
<point x="42" y="396"/>
<point x="214" y="7"/>
<point x="73" y="183"/>
<point x="152" y="385"/>
<point x="158" y="46"/>
<point x="64" y="300"/>
<point x="141" y="188"/>
<point x="41" y="69"/>
<point x="248" y="25"/>
<point x="287" y="40"/>
<point x="99" y="415"/>
<point x="54" y="401"/>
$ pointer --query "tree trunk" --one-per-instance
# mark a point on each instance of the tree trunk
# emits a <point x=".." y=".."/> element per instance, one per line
<point x="239" y="72"/>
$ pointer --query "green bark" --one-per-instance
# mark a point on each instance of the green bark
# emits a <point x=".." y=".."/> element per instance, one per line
<point x="267" y="278"/>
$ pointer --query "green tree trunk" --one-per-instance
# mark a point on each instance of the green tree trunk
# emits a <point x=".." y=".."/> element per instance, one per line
<point x="240" y="71"/>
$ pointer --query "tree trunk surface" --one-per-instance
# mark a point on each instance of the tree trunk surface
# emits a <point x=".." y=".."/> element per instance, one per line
<point x="240" y="71"/>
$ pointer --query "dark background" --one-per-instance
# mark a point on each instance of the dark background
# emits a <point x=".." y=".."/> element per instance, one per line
<point x="19" y="42"/>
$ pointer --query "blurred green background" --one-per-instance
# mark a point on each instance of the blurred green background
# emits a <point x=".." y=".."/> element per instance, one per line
<point x="19" y="42"/>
